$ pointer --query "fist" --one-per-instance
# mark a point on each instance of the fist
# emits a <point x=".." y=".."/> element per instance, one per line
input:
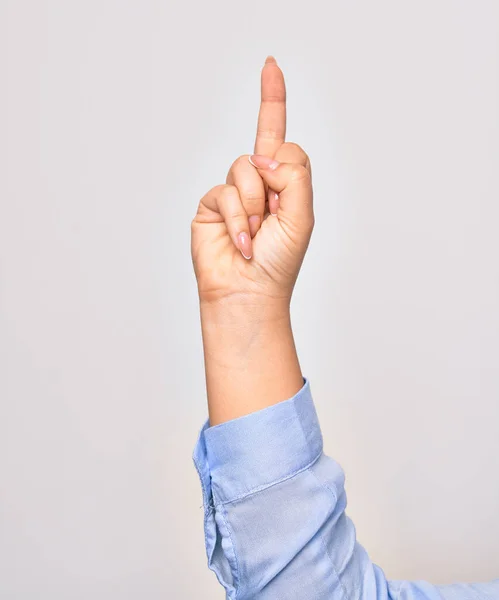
<point x="250" y="234"/>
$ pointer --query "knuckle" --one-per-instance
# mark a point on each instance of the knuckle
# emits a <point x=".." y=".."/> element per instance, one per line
<point x="253" y="198"/>
<point x="228" y="197"/>
<point x="297" y="152"/>
<point x="237" y="214"/>
<point x="215" y="191"/>
<point x="274" y="98"/>
<point x="240" y="161"/>
<point x="226" y="191"/>
<point x="268" y="133"/>
<point x="299" y="173"/>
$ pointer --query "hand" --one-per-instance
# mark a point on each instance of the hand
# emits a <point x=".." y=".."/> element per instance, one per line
<point x="245" y="281"/>
<point x="243" y="254"/>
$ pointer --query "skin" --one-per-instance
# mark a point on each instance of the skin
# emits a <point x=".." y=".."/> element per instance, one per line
<point x="245" y="282"/>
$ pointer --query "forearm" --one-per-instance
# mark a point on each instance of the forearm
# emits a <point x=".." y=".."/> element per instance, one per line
<point x="250" y="358"/>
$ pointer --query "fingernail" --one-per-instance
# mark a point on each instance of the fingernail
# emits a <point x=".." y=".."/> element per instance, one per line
<point x="244" y="241"/>
<point x="275" y="196"/>
<point x="270" y="59"/>
<point x="254" y="224"/>
<point x="263" y="162"/>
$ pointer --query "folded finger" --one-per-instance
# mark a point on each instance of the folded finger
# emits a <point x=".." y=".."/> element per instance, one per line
<point x="293" y="183"/>
<point x="289" y="152"/>
<point x="225" y="200"/>
<point x="251" y="191"/>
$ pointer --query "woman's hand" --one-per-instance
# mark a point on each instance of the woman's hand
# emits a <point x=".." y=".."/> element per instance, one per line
<point x="242" y="253"/>
<point x="249" y="237"/>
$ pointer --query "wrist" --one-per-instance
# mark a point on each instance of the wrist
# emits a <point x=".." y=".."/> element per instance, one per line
<point x="233" y="339"/>
<point x="246" y="312"/>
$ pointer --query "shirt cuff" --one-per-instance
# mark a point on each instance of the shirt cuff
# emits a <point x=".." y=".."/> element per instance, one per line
<point x="251" y="452"/>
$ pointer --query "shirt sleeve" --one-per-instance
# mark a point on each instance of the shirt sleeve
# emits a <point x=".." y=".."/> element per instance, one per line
<point x="274" y="515"/>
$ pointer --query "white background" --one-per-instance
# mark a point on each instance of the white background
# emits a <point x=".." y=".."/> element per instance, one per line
<point x="115" y="118"/>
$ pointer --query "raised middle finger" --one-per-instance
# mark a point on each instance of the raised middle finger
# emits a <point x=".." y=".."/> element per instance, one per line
<point x="271" y="128"/>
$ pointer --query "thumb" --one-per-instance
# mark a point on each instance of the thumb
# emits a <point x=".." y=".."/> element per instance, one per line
<point x="293" y="183"/>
